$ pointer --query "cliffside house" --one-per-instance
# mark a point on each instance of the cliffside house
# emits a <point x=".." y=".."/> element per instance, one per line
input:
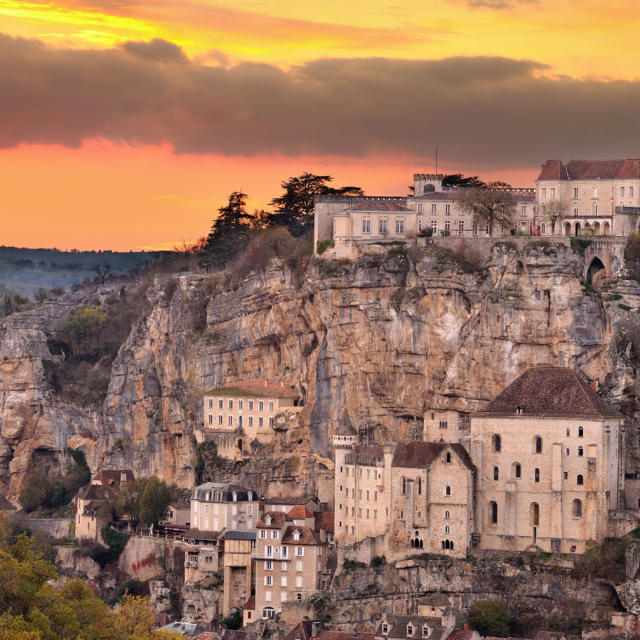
<point x="434" y="619"/>
<point x="179" y="518"/>
<point x="239" y="412"/>
<point x="216" y="506"/>
<point x="550" y="455"/>
<point x="91" y="512"/>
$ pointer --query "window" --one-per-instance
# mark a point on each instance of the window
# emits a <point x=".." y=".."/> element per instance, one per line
<point x="210" y="419"/>
<point x="299" y="551"/>
<point x="543" y="228"/>
<point x="298" y="581"/>
<point x="595" y="208"/>
<point x="263" y="534"/>
<point x="568" y="451"/>
<point x="419" y="208"/>
<point x="447" y="529"/>
<point x="447" y="490"/>
<point x="230" y="404"/>
<point x="220" y="403"/>
<point x="496" y="473"/>
<point x="523" y="210"/>
<point x="240" y="421"/>
<point x="537" y="444"/>
<point x="399" y="225"/>
<point x="270" y="405"/>
<point x="268" y="581"/>
<point x="447" y="209"/>
<point x="580" y="432"/>
<point x="261" y="405"/>
<point x="536" y="475"/>
<point x="410" y="630"/>
<point x="622" y="192"/>
<point x="496" y="443"/>
<point x="553" y="192"/>
<point x="580" y="452"/>
<point x="493" y="512"/>
<point x="419" y="486"/>
<point x="283" y="596"/>
<point x="299" y="563"/>
<point x="385" y="627"/>
<point x="631" y="192"/>
<point x="366" y="225"/>
<point x="250" y="405"/>
<point x="268" y="612"/>
<point x="269" y="551"/>
<point x="230" y="421"/>
<point x="434" y="208"/>
<point x="517" y="470"/>
<point x="271" y="422"/>
<point x="447" y="225"/>
<point x="284" y="552"/>
<point x="210" y="403"/>
<point x="576" y="508"/>
<point x="534" y="513"/>
<point x="576" y="211"/>
<point x="460" y="227"/>
<point x="568" y="432"/>
<point x="260" y="421"/>
<point x="580" y="479"/>
<point x="434" y="226"/>
<point x="283" y="565"/>
<point x="220" y="419"/>
<point x="299" y="597"/>
<point x="447" y="514"/>
<point x="426" y="631"/>
<point x="447" y="457"/>
<point x="382" y="225"/>
<point x="275" y="535"/>
<point x="544" y="192"/>
<point x="251" y="421"/>
<point x="575" y="192"/>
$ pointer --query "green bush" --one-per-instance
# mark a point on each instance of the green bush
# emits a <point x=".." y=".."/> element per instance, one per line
<point x="233" y="620"/>
<point x="605" y="561"/>
<point x="490" y="618"/>
<point x="132" y="587"/>
<point x="378" y="561"/>
<point x="323" y="245"/>
<point x="579" y="245"/>
<point x="115" y="541"/>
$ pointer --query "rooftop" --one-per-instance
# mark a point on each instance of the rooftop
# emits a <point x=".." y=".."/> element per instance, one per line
<point x="381" y="205"/>
<point x="305" y="535"/>
<point x="300" y="512"/>
<point x="254" y="388"/>
<point x="113" y="477"/>
<point x="416" y="454"/>
<point x="590" y="169"/>
<point x="324" y="520"/>
<point x="219" y="492"/>
<point x="552" y="392"/>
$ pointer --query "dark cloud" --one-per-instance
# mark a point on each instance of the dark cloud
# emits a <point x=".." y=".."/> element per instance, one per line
<point x="483" y="112"/>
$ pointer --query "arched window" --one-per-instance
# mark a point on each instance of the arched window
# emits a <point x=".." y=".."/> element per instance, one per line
<point x="447" y="529"/>
<point x="447" y="515"/>
<point x="580" y="432"/>
<point x="535" y="514"/>
<point x="536" y="475"/>
<point x="419" y="486"/>
<point x="496" y="443"/>
<point x="447" y="490"/>
<point x="580" y="451"/>
<point x="568" y="432"/>
<point x="576" y="508"/>
<point x="580" y="479"/>
<point x="537" y="443"/>
<point x="268" y="612"/>
<point x="448" y="457"/>
<point x="517" y="470"/>
<point x="496" y="473"/>
<point x="493" y="512"/>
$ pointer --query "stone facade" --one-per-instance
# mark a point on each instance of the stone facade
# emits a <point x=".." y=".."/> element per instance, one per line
<point x="216" y="506"/>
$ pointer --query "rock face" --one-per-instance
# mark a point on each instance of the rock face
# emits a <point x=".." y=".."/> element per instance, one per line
<point x="385" y="338"/>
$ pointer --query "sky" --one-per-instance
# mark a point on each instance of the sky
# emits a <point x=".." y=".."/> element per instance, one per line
<point x="125" y="124"/>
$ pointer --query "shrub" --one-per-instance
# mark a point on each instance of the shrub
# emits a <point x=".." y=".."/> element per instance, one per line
<point x="377" y="561"/>
<point x="115" y="541"/>
<point x="351" y="565"/>
<point x="605" y="561"/>
<point x="323" y="245"/>
<point x="624" y="307"/>
<point x="490" y="618"/>
<point x="169" y="289"/>
<point x="132" y="587"/>
<point x="579" y="245"/>
<point x="233" y="620"/>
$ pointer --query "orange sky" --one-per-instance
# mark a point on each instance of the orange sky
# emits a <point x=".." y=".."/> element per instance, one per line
<point x="128" y="190"/>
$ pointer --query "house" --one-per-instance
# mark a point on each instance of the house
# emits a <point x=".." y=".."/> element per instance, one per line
<point x="216" y="506"/>
<point x="91" y="511"/>
<point x="280" y="503"/>
<point x="179" y="515"/>
<point x="550" y="454"/>
<point x="434" y="619"/>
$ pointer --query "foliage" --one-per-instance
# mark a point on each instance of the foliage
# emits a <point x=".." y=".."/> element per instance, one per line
<point x="351" y="565"/>
<point x="34" y="607"/>
<point x="490" y="618"/>
<point x="82" y="330"/>
<point x="555" y="210"/>
<point x="42" y="491"/>
<point x="579" y="245"/>
<point x="323" y="245"/>
<point x="488" y="206"/>
<point x="458" y="180"/>
<point x="293" y="209"/>
<point x="378" y="561"/>
<point x="132" y="587"/>
<point x="233" y="620"/>
<point x="632" y="256"/>
<point x="155" y="501"/>
<point x="128" y="499"/>
<point x="606" y="561"/>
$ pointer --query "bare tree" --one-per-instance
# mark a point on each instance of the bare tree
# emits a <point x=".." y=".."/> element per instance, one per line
<point x="103" y="271"/>
<point x="556" y="211"/>
<point x="488" y="206"/>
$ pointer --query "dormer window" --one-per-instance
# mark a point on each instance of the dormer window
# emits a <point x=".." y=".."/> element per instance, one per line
<point x="296" y="535"/>
<point x="235" y="497"/>
<point x="410" y="630"/>
<point x="267" y="520"/>
<point x="385" y="628"/>
<point x="426" y="631"/>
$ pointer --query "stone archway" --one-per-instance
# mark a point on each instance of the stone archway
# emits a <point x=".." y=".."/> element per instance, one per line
<point x="567" y="228"/>
<point x="596" y="271"/>
<point x="596" y="228"/>
<point x="606" y="229"/>
<point x="577" y="227"/>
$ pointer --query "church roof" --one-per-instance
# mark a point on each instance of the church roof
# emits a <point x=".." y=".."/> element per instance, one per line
<point x="549" y="391"/>
<point x="419" y="455"/>
<point x="590" y="169"/>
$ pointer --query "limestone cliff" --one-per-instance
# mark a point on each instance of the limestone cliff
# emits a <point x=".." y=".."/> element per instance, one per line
<point x="385" y="337"/>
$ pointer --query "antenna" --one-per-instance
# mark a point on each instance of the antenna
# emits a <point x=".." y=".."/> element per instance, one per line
<point x="436" y="159"/>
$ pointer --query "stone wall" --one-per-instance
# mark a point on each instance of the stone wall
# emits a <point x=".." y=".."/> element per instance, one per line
<point x="54" y="527"/>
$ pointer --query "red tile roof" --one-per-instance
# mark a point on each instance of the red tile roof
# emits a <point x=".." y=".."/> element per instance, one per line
<point x="325" y="634"/>
<point x="256" y="388"/>
<point x="590" y="169"/>
<point x="550" y="391"/>
<point x="250" y="604"/>
<point x="112" y="477"/>
<point x="420" y="455"/>
<point x="325" y="520"/>
<point x="461" y="634"/>
<point x="302" y="631"/>
<point x="307" y="536"/>
<point x="299" y="512"/>
<point x="278" y="518"/>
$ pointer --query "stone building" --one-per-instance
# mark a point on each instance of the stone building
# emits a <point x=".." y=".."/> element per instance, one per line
<point x="239" y="412"/>
<point x="411" y="497"/>
<point x="216" y="506"/>
<point x="549" y="451"/>
<point x="293" y="561"/>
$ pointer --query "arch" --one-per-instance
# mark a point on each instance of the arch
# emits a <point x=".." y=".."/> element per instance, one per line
<point x="447" y="514"/>
<point x="447" y="529"/>
<point x="268" y="612"/>
<point x="567" y="228"/>
<point x="447" y="457"/>
<point x="580" y="479"/>
<point x="496" y="473"/>
<point x="606" y="229"/>
<point x="580" y="432"/>
<point x="496" y="443"/>
<point x="516" y="470"/>
<point x="447" y="490"/>
<point x="580" y="452"/>
<point x="537" y="444"/>
<point x="493" y="512"/>
<point x="534" y="513"/>
<point x="576" y="508"/>
<point x="577" y="229"/>
<point x="596" y="228"/>
<point x="596" y="271"/>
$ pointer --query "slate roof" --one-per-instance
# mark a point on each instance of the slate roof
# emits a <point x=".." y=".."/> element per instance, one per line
<point x="590" y="169"/>
<point x="419" y="455"/>
<point x="240" y="535"/>
<point x="94" y="492"/>
<point x="5" y="505"/>
<point x="254" y="388"/>
<point x="398" y="626"/>
<point x="291" y="501"/>
<point x="201" y="492"/>
<point x="380" y="205"/>
<point x="325" y="634"/>
<point x="324" y="520"/>
<point x="198" y="534"/>
<point x="307" y="536"/>
<point x="552" y="392"/>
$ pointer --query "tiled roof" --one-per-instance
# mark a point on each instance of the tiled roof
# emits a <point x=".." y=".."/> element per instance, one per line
<point x="550" y="391"/>
<point x="208" y="635"/>
<point x="291" y="501"/>
<point x="5" y="505"/>
<point x="299" y="512"/>
<point x="590" y="169"/>
<point x="415" y="454"/>
<point x="325" y="520"/>
<point x="112" y="477"/>
<point x="398" y="626"/>
<point x="235" y="634"/>
<point x="366" y="454"/>
<point x="278" y="518"/>
<point x="94" y="492"/>
<point x="380" y="205"/>
<point x="325" y="634"/>
<point x="307" y="536"/>
<point x="198" y="534"/>
<point x="250" y="604"/>
<point x="256" y="388"/>
<point x="302" y="631"/>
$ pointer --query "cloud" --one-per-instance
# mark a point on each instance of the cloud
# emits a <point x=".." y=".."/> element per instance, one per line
<point x="496" y="4"/>
<point x="485" y="112"/>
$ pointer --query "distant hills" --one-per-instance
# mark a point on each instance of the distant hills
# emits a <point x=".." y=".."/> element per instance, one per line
<point x="24" y="271"/>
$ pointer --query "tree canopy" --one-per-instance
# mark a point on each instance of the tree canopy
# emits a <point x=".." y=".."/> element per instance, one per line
<point x="459" y="180"/>
<point x="155" y="501"/>
<point x="555" y="210"/>
<point x="490" y="618"/>
<point x="488" y="206"/>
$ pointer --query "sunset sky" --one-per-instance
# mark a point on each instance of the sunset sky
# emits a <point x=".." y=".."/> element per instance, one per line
<point x="125" y="124"/>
